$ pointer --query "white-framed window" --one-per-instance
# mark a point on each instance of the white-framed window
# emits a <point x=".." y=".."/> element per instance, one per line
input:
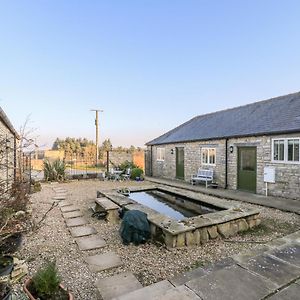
<point x="160" y="154"/>
<point x="286" y="150"/>
<point x="208" y="156"/>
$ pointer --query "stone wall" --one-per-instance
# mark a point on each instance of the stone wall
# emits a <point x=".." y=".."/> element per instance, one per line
<point x="7" y="156"/>
<point x="287" y="176"/>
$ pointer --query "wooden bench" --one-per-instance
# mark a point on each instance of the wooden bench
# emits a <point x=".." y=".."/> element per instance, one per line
<point x="203" y="175"/>
<point x="112" y="209"/>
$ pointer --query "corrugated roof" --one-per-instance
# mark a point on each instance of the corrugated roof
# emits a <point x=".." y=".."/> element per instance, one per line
<point x="276" y="115"/>
<point x="7" y="123"/>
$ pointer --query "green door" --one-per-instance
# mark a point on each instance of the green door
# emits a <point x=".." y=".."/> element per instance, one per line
<point x="247" y="169"/>
<point x="180" y="162"/>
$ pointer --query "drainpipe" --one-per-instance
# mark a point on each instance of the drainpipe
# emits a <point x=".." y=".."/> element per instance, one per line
<point x="226" y="163"/>
<point x="151" y="161"/>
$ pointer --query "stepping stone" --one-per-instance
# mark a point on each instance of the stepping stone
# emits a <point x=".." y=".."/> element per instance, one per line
<point x="117" y="285"/>
<point x="59" y="197"/>
<point x="90" y="243"/>
<point x="150" y="292"/>
<point x="179" y="293"/>
<point x="103" y="262"/>
<point x="82" y="231"/>
<point x="65" y="203"/>
<point x="69" y="208"/>
<point x="277" y="271"/>
<point x="72" y="214"/>
<point x="232" y="282"/>
<point x="76" y="222"/>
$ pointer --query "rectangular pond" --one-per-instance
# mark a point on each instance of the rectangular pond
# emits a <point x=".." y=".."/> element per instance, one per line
<point x="172" y="205"/>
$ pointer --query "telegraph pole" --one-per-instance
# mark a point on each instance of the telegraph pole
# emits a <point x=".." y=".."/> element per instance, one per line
<point x="97" y="132"/>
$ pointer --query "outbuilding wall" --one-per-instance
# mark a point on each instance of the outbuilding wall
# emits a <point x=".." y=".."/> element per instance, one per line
<point x="287" y="175"/>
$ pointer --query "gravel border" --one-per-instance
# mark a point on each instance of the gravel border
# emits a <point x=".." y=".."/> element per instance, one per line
<point x="150" y="263"/>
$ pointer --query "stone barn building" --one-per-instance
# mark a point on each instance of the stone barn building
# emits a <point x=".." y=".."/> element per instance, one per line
<point x="8" y="152"/>
<point x="245" y="146"/>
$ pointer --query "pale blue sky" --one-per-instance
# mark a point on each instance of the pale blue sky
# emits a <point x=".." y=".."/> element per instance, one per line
<point x="151" y="65"/>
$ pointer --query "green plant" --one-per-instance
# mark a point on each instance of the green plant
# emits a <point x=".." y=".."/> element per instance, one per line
<point x="45" y="283"/>
<point x="136" y="172"/>
<point x="54" y="171"/>
<point x="127" y="165"/>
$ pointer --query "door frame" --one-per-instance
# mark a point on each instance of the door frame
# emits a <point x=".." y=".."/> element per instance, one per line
<point x="176" y="158"/>
<point x="238" y="167"/>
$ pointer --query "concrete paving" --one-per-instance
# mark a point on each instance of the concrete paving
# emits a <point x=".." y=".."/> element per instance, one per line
<point x="69" y="208"/>
<point x="103" y="262"/>
<point x="76" y="222"/>
<point x="275" y="270"/>
<point x="72" y="214"/>
<point x="231" y="283"/>
<point x="284" y="204"/>
<point x="290" y="254"/>
<point x="90" y="243"/>
<point x="117" y="285"/>
<point x="292" y="292"/>
<point x="82" y="231"/>
<point x="153" y="291"/>
<point x="179" y="293"/>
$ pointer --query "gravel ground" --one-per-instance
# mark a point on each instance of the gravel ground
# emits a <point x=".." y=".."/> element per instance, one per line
<point x="150" y="263"/>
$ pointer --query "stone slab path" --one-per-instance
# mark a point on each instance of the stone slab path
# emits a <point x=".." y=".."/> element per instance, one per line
<point x="101" y="262"/>
<point x="82" y="231"/>
<point x="117" y="285"/>
<point x="65" y="203"/>
<point x="76" y="222"/>
<point x="69" y="208"/>
<point x="269" y="272"/>
<point x="72" y="214"/>
<point x="90" y="243"/>
<point x="150" y="292"/>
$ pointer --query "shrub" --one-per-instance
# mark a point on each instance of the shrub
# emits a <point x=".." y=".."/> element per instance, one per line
<point x="127" y="165"/>
<point x="45" y="283"/>
<point x="54" y="171"/>
<point x="136" y="172"/>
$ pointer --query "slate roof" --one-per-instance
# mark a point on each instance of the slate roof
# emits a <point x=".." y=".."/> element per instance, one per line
<point x="273" y="116"/>
<point x="4" y="119"/>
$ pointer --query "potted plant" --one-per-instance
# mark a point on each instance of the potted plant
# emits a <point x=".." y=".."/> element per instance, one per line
<point x="6" y="264"/>
<point x="46" y="285"/>
<point x="5" y="291"/>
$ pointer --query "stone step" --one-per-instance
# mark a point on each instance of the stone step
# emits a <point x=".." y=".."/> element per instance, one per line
<point x="76" y="222"/>
<point x="69" y="208"/>
<point x="90" y="243"/>
<point x="153" y="291"/>
<point x="59" y="197"/>
<point x="82" y="231"/>
<point x="101" y="262"/>
<point x="117" y="285"/>
<point x="72" y="214"/>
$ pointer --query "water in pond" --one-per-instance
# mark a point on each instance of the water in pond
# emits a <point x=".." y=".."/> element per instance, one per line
<point x="170" y="205"/>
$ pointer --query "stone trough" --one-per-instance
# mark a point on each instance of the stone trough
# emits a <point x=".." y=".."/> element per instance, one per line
<point x="194" y="230"/>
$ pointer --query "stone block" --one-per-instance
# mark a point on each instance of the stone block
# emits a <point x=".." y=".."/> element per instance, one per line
<point x="72" y="214"/>
<point x="82" y="231"/>
<point x="90" y="243"/>
<point x="204" y="237"/>
<point x="76" y="222"/>
<point x="190" y="239"/>
<point x="225" y="230"/>
<point x="242" y="225"/>
<point x="170" y="240"/>
<point x="180" y="241"/>
<point x="213" y="232"/>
